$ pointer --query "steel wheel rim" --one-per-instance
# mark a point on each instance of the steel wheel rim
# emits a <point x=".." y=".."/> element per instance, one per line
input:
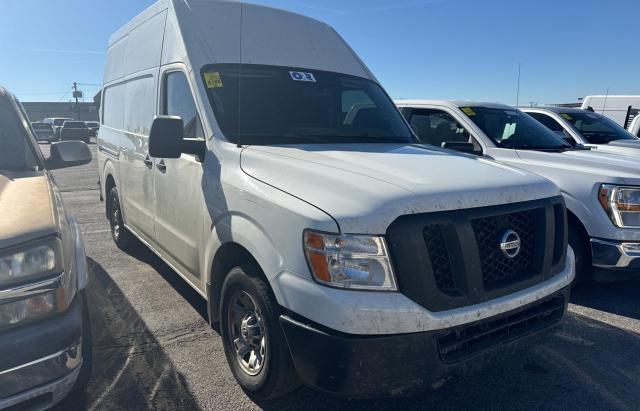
<point x="115" y="218"/>
<point x="247" y="333"/>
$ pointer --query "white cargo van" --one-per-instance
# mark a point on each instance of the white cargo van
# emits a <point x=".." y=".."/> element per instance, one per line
<point x="601" y="190"/>
<point x="253" y="151"/>
<point x="614" y="107"/>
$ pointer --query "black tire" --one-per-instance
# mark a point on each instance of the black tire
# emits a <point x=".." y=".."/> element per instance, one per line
<point x="77" y="397"/>
<point x="277" y="376"/>
<point x="120" y="234"/>
<point x="579" y="244"/>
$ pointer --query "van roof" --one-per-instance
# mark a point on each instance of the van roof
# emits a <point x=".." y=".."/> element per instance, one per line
<point x="202" y="32"/>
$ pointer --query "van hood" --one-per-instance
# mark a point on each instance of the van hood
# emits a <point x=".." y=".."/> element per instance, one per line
<point x="27" y="208"/>
<point x="604" y="167"/>
<point x="365" y="187"/>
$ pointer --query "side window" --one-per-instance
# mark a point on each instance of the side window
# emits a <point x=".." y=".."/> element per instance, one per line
<point x="436" y="127"/>
<point x="178" y="101"/>
<point x="550" y="123"/>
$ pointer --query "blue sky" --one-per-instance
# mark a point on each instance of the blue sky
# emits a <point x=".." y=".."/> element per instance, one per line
<point x="459" y="49"/>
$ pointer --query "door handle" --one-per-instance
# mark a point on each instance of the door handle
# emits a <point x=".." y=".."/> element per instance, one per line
<point x="148" y="162"/>
<point x="161" y="166"/>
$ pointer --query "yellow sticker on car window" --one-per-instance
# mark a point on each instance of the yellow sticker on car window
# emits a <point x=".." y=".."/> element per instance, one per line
<point x="468" y="111"/>
<point x="566" y="116"/>
<point x="213" y="79"/>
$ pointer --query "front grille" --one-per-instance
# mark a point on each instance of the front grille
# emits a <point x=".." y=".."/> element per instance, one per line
<point x="496" y="266"/>
<point x="471" y="339"/>
<point x="450" y="259"/>
<point x="439" y="256"/>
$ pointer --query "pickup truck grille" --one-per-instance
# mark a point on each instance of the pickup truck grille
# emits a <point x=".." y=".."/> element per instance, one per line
<point x="446" y="260"/>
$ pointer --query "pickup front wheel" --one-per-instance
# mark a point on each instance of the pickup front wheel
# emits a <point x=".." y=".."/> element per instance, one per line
<point x="254" y="343"/>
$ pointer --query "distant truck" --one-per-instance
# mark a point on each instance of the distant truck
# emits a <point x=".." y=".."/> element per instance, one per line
<point x="43" y="131"/>
<point x="93" y="126"/>
<point x="621" y="109"/>
<point x="75" y="130"/>
<point x="56" y="123"/>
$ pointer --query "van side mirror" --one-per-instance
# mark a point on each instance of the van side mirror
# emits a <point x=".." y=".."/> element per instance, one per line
<point x="463" y="147"/>
<point x="68" y="154"/>
<point x="166" y="139"/>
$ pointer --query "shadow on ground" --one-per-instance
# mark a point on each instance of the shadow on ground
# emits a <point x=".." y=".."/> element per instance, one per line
<point x="131" y="371"/>
<point x="143" y="254"/>
<point x="615" y="298"/>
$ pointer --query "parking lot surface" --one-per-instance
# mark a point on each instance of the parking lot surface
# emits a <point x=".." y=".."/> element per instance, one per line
<point x="153" y="347"/>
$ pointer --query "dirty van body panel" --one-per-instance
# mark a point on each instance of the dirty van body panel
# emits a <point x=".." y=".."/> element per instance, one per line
<point x="401" y="173"/>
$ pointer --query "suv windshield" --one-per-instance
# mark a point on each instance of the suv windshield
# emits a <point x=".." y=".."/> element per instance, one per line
<point x="263" y="105"/>
<point x="596" y="128"/>
<point x="511" y="128"/>
<point x="15" y="153"/>
<point x="74" y="124"/>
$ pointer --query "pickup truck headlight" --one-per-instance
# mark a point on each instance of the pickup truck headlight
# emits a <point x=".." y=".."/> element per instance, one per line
<point x="28" y="265"/>
<point x="349" y="261"/>
<point x="622" y="204"/>
<point x="31" y="262"/>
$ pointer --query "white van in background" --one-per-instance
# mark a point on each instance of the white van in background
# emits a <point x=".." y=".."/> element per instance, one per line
<point x="254" y="152"/>
<point x="614" y="107"/>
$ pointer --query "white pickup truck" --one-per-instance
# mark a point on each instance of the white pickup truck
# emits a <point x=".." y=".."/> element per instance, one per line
<point x="593" y="130"/>
<point x="602" y="191"/>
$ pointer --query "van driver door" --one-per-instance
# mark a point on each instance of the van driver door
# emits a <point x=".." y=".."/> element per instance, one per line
<point x="179" y="200"/>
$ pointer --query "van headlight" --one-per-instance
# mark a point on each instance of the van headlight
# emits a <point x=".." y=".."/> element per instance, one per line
<point x="622" y="204"/>
<point x="349" y="261"/>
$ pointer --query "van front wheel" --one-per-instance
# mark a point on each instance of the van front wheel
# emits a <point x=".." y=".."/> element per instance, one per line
<point x="254" y="343"/>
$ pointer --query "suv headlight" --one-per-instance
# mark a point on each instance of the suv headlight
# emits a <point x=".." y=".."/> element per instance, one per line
<point x="349" y="261"/>
<point x="622" y="204"/>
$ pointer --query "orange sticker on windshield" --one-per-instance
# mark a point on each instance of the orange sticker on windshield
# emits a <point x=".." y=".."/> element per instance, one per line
<point x="468" y="111"/>
<point x="213" y="79"/>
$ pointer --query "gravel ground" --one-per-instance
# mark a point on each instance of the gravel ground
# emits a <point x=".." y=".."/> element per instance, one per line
<point x="153" y="347"/>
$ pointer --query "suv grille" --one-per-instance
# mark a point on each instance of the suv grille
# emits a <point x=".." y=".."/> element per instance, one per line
<point x="496" y="266"/>
<point x="472" y="338"/>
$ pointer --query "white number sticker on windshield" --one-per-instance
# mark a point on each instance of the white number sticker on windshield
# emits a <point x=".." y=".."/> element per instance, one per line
<point x="301" y="76"/>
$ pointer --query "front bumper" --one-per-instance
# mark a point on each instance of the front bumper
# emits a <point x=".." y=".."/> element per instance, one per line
<point x="615" y="260"/>
<point x="388" y="365"/>
<point x="41" y="361"/>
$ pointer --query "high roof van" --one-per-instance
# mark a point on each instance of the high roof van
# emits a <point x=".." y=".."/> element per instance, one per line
<point x="254" y="152"/>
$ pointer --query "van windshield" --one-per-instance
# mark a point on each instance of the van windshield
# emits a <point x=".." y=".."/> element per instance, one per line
<point x="596" y="128"/>
<point x="264" y="105"/>
<point x="511" y="128"/>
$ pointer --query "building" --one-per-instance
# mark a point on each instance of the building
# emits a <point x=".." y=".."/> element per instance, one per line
<point x="81" y="111"/>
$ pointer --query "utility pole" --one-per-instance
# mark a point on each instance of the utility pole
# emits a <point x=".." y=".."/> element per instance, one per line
<point x="75" y="95"/>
